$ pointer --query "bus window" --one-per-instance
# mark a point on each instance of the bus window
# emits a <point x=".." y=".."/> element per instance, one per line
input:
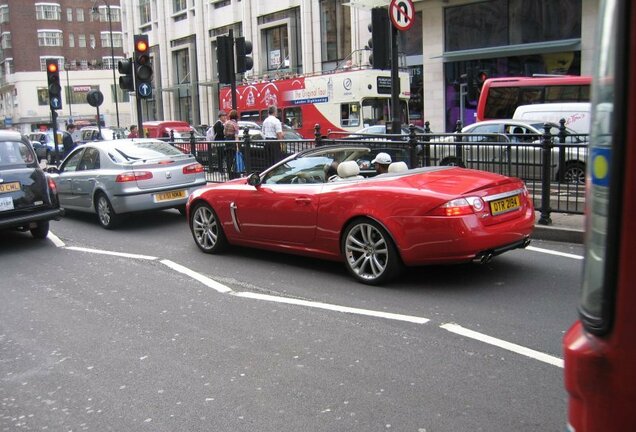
<point x="378" y="111"/>
<point x="350" y="114"/>
<point x="293" y="117"/>
<point x="264" y="114"/>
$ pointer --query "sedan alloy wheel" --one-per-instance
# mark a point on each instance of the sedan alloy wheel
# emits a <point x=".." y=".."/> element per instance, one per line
<point x="206" y="229"/>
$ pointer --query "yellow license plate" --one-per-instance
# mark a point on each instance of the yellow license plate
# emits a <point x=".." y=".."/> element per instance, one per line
<point x="505" y="205"/>
<point x="169" y="196"/>
<point x="9" y="187"/>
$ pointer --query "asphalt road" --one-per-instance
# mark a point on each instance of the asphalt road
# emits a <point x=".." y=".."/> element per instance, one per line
<point x="254" y="340"/>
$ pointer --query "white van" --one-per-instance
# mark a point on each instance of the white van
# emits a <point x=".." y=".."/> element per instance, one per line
<point x="577" y="115"/>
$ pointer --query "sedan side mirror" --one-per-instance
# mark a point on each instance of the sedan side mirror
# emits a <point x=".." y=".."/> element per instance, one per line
<point x="254" y="179"/>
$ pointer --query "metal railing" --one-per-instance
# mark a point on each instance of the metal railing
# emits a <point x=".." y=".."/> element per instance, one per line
<point x="553" y="166"/>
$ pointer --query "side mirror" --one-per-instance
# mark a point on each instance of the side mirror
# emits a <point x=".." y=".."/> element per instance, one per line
<point x="254" y="179"/>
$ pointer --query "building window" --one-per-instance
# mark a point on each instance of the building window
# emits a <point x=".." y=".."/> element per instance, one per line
<point x="109" y="63"/>
<point x="117" y="39"/>
<point x="276" y="47"/>
<point x="69" y="14"/>
<point x="43" y="96"/>
<point x="510" y="22"/>
<point x="81" y="40"/>
<point x="48" y="12"/>
<point x="84" y="63"/>
<point x="181" y="59"/>
<point x="6" y="40"/>
<point x="179" y="5"/>
<point x="4" y="13"/>
<point x="221" y="3"/>
<point x="50" y="38"/>
<point x="144" y="12"/>
<point x="91" y="40"/>
<point x="335" y="26"/>
<point x="71" y="40"/>
<point x="80" y="14"/>
<point x="115" y="13"/>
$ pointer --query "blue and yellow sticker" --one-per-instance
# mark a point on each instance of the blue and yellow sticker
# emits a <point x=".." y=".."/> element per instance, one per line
<point x="601" y="157"/>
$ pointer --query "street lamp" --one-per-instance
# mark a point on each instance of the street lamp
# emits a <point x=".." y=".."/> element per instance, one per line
<point x="112" y="54"/>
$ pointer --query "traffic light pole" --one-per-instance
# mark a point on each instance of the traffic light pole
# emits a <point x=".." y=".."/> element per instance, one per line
<point x="56" y="159"/>
<point x="232" y="69"/>
<point x="140" y="121"/>
<point x="396" y="123"/>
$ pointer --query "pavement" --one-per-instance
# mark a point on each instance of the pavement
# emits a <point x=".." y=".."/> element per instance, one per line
<point x="565" y="227"/>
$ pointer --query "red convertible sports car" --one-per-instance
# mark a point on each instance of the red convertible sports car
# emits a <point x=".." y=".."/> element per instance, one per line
<point x="315" y="203"/>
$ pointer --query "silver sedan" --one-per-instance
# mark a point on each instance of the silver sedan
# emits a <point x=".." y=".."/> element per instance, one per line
<point x="112" y="178"/>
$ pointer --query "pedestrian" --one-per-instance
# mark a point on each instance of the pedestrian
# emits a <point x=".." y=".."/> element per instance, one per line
<point x="134" y="133"/>
<point x="231" y="133"/>
<point x="67" y="140"/>
<point x="272" y="129"/>
<point x="381" y="163"/>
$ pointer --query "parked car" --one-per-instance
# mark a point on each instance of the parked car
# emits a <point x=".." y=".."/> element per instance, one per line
<point x="526" y="159"/>
<point x="114" y="178"/>
<point x="375" y="225"/>
<point x="163" y="128"/>
<point x="28" y="196"/>
<point x="92" y="133"/>
<point x="46" y="147"/>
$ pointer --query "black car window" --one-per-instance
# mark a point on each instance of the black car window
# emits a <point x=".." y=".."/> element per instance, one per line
<point x="15" y="153"/>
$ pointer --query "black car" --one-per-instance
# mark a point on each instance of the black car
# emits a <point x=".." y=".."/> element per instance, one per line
<point x="28" y="196"/>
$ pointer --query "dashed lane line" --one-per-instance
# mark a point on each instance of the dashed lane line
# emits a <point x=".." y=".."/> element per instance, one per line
<point x="224" y="289"/>
<point x="551" y="252"/>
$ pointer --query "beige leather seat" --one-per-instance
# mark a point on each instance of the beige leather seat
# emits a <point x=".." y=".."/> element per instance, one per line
<point x="397" y="167"/>
<point x="348" y="170"/>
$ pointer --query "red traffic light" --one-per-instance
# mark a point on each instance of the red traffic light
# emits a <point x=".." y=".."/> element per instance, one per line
<point x="52" y="67"/>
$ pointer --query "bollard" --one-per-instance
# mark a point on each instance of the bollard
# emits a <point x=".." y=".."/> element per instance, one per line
<point x="427" y="146"/>
<point x="247" y="143"/>
<point x="458" y="147"/>
<point x="562" y="135"/>
<point x="412" y="146"/>
<point x="546" y="156"/>
<point x="317" y="135"/>
<point x="193" y="148"/>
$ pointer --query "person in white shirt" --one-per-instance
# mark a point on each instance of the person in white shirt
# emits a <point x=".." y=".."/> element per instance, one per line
<point x="272" y="127"/>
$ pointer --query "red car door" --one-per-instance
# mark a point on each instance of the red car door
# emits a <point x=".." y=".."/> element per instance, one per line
<point x="283" y="213"/>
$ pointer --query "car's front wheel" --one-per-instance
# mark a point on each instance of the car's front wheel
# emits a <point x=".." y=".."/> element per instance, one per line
<point x="105" y="213"/>
<point x="370" y="254"/>
<point x="41" y="230"/>
<point x="206" y="229"/>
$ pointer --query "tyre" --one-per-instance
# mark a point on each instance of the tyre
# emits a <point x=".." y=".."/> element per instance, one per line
<point x="41" y="230"/>
<point x="206" y="229"/>
<point x="370" y="254"/>
<point x="105" y="214"/>
<point x="452" y="161"/>
<point x="574" y="173"/>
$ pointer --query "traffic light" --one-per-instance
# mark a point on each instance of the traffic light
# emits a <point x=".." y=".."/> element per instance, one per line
<point x="142" y="66"/>
<point x="380" y="42"/>
<point x="243" y="60"/>
<point x="126" y="80"/>
<point x="53" y="80"/>
<point x="224" y="58"/>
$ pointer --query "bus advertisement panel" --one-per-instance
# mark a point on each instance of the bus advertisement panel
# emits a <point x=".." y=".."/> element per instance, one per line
<point x="500" y="97"/>
<point x="338" y="102"/>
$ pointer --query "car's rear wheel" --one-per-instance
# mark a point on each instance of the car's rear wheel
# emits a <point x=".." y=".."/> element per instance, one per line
<point x="370" y="254"/>
<point x="41" y="230"/>
<point x="206" y="229"/>
<point x="105" y="213"/>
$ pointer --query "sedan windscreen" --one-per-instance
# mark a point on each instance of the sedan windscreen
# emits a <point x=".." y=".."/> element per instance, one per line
<point x="145" y="150"/>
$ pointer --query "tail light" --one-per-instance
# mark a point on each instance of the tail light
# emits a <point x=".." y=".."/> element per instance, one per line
<point x="193" y="168"/>
<point x="459" y="207"/>
<point x="133" y="176"/>
<point x="52" y="185"/>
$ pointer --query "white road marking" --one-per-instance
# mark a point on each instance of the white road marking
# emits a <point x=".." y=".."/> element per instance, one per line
<point x="551" y="252"/>
<point x="223" y="289"/>
<point x="197" y="276"/>
<point x="105" y="252"/>
<point x="331" y="307"/>
<point x="457" y="329"/>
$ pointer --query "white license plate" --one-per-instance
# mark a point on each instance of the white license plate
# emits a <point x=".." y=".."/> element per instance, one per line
<point x="170" y="196"/>
<point x="6" y="203"/>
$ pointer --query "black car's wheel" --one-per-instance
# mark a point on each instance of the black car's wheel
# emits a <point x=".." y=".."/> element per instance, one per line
<point x="41" y="230"/>
<point x="206" y="229"/>
<point x="105" y="213"/>
<point x="370" y="255"/>
<point x="452" y="161"/>
<point x="574" y="173"/>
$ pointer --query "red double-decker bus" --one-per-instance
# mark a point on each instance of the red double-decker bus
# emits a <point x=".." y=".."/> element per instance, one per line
<point x="500" y="97"/>
<point x="343" y="101"/>
<point x="600" y="348"/>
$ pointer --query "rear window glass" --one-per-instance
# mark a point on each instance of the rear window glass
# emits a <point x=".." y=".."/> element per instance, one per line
<point x="144" y="150"/>
<point x="15" y="153"/>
